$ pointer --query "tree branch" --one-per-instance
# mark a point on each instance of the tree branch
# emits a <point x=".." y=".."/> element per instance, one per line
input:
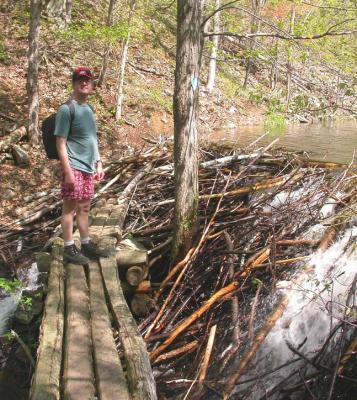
<point x="329" y="32"/>
<point x="326" y="7"/>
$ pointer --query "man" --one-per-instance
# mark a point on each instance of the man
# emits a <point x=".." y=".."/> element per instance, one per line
<point x="78" y="153"/>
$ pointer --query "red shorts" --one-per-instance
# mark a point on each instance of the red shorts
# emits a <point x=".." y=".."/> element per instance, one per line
<point x="83" y="186"/>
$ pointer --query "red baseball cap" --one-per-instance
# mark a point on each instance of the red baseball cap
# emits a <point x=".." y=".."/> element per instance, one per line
<point x="82" y="72"/>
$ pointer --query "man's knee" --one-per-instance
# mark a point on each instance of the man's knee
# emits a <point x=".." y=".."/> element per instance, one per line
<point x="68" y="207"/>
<point x="83" y="207"/>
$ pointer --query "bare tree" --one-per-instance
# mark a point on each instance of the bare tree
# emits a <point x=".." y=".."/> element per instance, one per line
<point x="123" y="61"/>
<point x="60" y="10"/>
<point x="110" y="19"/>
<point x="257" y="6"/>
<point x="32" y="71"/>
<point x="213" y="57"/>
<point x="186" y="95"/>
<point x="289" y="65"/>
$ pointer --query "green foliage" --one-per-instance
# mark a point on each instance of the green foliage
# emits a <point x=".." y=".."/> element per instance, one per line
<point x="92" y="30"/>
<point x="26" y="302"/>
<point x="158" y="96"/>
<point x="8" y="336"/>
<point x="9" y="286"/>
<point x="275" y="123"/>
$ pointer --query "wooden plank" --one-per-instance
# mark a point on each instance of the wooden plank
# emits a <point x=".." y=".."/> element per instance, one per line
<point x="139" y="374"/>
<point x="78" y="376"/>
<point x="111" y="383"/>
<point x="46" y="378"/>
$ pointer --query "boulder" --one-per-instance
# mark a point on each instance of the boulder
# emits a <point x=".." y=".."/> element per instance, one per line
<point x="8" y="194"/>
<point x="20" y="156"/>
<point x="43" y="261"/>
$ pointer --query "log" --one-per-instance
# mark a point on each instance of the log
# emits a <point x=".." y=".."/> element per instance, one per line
<point x="274" y="182"/>
<point x="15" y="137"/>
<point x="47" y="375"/>
<point x="135" y="275"/>
<point x="133" y="256"/>
<point x="141" y="304"/>
<point x="128" y="258"/>
<point x="78" y="375"/>
<point x="139" y="374"/>
<point x="110" y="380"/>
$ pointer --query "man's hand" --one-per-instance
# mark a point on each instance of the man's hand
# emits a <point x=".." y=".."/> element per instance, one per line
<point x="99" y="175"/>
<point x="69" y="179"/>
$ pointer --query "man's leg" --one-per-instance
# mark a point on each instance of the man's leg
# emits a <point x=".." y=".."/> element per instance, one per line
<point x="71" y="253"/>
<point x="82" y="216"/>
<point x="88" y="248"/>
<point x="68" y="208"/>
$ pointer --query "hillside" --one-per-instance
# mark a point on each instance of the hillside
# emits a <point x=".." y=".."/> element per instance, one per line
<point x="322" y="83"/>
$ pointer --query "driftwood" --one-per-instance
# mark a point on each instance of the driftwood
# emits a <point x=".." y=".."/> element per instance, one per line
<point x="78" y="374"/>
<point x="46" y="378"/>
<point x="13" y="138"/>
<point x="110" y="380"/>
<point x="140" y="378"/>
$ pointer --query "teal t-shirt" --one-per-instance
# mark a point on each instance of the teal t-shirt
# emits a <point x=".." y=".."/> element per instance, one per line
<point x="82" y="142"/>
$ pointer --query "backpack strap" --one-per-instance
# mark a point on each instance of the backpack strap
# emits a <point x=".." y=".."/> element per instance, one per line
<point x="72" y="112"/>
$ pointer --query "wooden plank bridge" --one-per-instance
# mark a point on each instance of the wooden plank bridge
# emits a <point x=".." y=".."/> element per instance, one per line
<point x="86" y="320"/>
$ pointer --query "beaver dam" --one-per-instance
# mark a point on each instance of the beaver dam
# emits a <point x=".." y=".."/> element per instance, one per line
<point x="264" y="304"/>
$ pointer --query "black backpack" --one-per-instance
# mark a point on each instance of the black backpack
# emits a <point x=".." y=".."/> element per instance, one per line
<point x="48" y="130"/>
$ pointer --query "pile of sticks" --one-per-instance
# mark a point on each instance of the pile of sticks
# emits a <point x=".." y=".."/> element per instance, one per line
<point x="207" y="311"/>
<point x="255" y="211"/>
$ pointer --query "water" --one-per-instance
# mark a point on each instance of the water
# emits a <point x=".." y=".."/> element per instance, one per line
<point x="316" y="305"/>
<point x="331" y="142"/>
<point x="8" y="304"/>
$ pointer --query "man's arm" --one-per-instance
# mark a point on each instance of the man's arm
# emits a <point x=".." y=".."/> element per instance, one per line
<point x="99" y="167"/>
<point x="63" y="157"/>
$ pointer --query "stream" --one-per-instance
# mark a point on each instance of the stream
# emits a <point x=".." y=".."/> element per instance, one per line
<point x="334" y="142"/>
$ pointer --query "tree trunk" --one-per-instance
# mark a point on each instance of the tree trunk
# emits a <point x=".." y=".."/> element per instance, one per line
<point x="273" y="76"/>
<point x="290" y="59"/>
<point x="105" y="60"/>
<point x="124" y="57"/>
<point x="68" y="15"/>
<point x="120" y="94"/>
<point x="32" y="70"/>
<point x="186" y="95"/>
<point x="213" y="57"/>
<point x="257" y="6"/>
<point x="60" y="10"/>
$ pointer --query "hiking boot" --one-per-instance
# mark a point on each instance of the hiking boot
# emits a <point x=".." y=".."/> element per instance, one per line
<point x="92" y="251"/>
<point x="72" y="255"/>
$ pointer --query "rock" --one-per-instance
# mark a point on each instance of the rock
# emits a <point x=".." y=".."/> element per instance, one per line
<point x="43" y="261"/>
<point x="168" y="92"/>
<point x="20" y="156"/>
<point x="8" y="194"/>
<point x="25" y="313"/>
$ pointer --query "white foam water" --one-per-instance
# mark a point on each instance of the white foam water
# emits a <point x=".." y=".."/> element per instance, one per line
<point x="316" y="305"/>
